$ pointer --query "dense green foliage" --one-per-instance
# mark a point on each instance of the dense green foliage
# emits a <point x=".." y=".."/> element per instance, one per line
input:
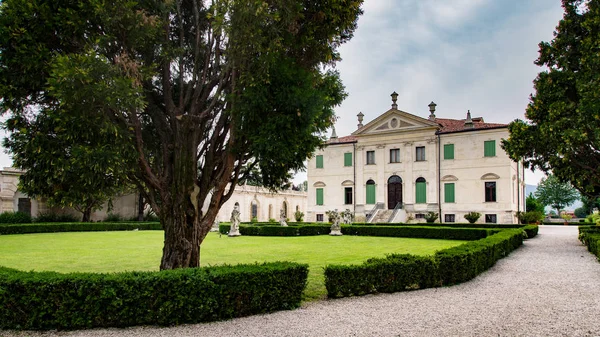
<point x="530" y="217"/>
<point x="407" y="272"/>
<point x="472" y="217"/>
<point x="590" y="236"/>
<point x="532" y="204"/>
<point x="555" y="193"/>
<point x="183" y="98"/>
<point x="54" y="217"/>
<point x="48" y="300"/>
<point x="56" y="227"/>
<point x="14" y="217"/>
<point x="429" y="232"/>
<point x="562" y="131"/>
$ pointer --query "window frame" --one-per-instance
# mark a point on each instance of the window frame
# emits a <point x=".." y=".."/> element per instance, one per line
<point x="319" y="160"/>
<point x="489" y="148"/>
<point x="491" y="218"/>
<point x="420" y="191"/>
<point x="347" y="159"/>
<point x="490" y="191"/>
<point x="348" y="195"/>
<point x="321" y="197"/>
<point x="449" y="218"/>
<point x="448" y="151"/>
<point x="370" y="160"/>
<point x="422" y="157"/>
<point x="446" y="192"/>
<point x="320" y="217"/>
<point x="395" y="155"/>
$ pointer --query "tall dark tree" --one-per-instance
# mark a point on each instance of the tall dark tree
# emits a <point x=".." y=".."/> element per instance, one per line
<point x="201" y="92"/>
<point x="533" y="205"/>
<point x="562" y="131"/>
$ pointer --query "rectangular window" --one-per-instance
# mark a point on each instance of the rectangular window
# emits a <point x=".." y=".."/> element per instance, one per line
<point x="448" y="151"/>
<point x="419" y="216"/>
<point x="421" y="193"/>
<point x="319" y="196"/>
<point x="348" y="159"/>
<point x="490" y="218"/>
<point x="490" y="191"/>
<point x="371" y="194"/>
<point x="420" y="153"/>
<point x="319" y="217"/>
<point x="394" y="155"/>
<point x="489" y="148"/>
<point x="449" y="218"/>
<point x="320" y="161"/>
<point x="370" y="157"/>
<point x="449" y="192"/>
<point x="348" y="195"/>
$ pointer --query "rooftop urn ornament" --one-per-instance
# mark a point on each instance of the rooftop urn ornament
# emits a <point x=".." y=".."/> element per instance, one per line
<point x="394" y="99"/>
<point x="468" y="121"/>
<point x="333" y="134"/>
<point x="432" y="106"/>
<point x="360" y="119"/>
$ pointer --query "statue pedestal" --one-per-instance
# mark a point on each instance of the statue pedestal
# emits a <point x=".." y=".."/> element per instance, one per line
<point x="234" y="233"/>
<point x="336" y="232"/>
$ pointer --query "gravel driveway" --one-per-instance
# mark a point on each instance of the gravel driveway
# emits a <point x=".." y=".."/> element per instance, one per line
<point x="548" y="287"/>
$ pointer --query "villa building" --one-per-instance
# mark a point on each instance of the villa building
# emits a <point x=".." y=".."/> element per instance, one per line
<point x="401" y="166"/>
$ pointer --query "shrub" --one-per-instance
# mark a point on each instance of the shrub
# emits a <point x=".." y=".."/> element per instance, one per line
<point x="407" y="272"/>
<point x="428" y="232"/>
<point x="254" y="219"/>
<point x="47" y="300"/>
<point x="55" y="217"/>
<point x="430" y="217"/>
<point x="113" y="217"/>
<point x="530" y="217"/>
<point x="77" y="227"/>
<point x="14" y="217"/>
<point x="472" y="217"/>
<point x="272" y="220"/>
<point x="299" y="216"/>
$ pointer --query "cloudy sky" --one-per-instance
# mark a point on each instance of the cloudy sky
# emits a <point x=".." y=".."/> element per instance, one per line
<point x="462" y="54"/>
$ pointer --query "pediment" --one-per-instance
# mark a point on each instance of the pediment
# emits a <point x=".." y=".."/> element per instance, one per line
<point x="395" y="121"/>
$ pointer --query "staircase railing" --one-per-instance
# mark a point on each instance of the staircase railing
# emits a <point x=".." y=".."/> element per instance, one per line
<point x="371" y="214"/>
<point x="396" y="210"/>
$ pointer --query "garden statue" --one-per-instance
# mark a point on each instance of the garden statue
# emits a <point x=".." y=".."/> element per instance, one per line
<point x="282" y="218"/>
<point x="334" y="217"/>
<point x="235" y="221"/>
<point x="215" y="226"/>
<point x="347" y="217"/>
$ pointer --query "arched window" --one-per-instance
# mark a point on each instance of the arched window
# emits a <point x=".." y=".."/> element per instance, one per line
<point x="370" y="192"/>
<point x="254" y="209"/>
<point x="421" y="191"/>
<point x="284" y="207"/>
<point x="394" y="179"/>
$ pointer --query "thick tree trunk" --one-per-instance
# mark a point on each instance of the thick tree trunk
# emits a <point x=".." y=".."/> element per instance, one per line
<point x="181" y="213"/>
<point x="87" y="215"/>
<point x="141" y="207"/>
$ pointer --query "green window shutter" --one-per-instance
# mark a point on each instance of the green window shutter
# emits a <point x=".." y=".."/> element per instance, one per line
<point x="371" y="194"/>
<point x="348" y="159"/>
<point x="421" y="193"/>
<point x="489" y="148"/>
<point x="449" y="151"/>
<point x="319" y="196"/>
<point x="449" y="192"/>
<point x="319" y="161"/>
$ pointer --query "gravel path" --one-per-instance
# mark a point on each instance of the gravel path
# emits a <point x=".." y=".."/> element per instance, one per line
<point x="548" y="287"/>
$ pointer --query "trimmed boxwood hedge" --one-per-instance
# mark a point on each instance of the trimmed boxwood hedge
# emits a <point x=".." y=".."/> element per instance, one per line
<point x="445" y="224"/>
<point x="590" y="236"/>
<point x="407" y="272"/>
<point x="54" y="227"/>
<point x="48" y="300"/>
<point x="389" y="231"/>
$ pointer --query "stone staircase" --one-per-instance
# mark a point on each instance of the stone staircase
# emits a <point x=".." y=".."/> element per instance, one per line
<point x="382" y="215"/>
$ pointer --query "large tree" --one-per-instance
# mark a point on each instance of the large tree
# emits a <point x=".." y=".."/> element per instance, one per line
<point x="555" y="193"/>
<point x="562" y="131"/>
<point x="200" y="91"/>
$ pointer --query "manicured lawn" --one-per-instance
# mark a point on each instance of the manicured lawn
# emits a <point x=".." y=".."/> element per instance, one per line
<point x="141" y="250"/>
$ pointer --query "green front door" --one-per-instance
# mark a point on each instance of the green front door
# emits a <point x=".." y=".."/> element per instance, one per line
<point x="371" y="194"/>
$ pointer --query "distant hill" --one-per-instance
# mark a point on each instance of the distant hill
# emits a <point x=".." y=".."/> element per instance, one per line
<point x="533" y="188"/>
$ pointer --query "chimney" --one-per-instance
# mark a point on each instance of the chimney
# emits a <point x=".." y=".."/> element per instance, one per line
<point x="333" y="134"/>
<point x="468" y="121"/>
<point x="394" y="99"/>
<point x="360" y="119"/>
<point x="432" y="106"/>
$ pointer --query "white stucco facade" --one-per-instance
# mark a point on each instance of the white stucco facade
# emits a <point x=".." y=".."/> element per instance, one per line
<point x="406" y="154"/>
<point x="268" y="205"/>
